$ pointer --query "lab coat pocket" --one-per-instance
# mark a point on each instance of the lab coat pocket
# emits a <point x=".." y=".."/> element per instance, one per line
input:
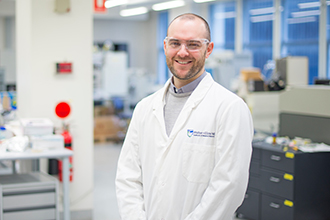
<point x="198" y="162"/>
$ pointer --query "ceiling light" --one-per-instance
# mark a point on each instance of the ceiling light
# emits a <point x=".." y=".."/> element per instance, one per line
<point x="309" y="5"/>
<point x="225" y="15"/>
<point x="201" y="1"/>
<point x="114" y="3"/>
<point x="261" y="11"/>
<point x="262" y="18"/>
<point x="301" y="20"/>
<point x="133" y="11"/>
<point x="305" y="13"/>
<point x="168" y="5"/>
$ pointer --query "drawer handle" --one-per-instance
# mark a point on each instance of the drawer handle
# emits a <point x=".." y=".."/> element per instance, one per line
<point x="274" y="179"/>
<point x="275" y="158"/>
<point x="274" y="205"/>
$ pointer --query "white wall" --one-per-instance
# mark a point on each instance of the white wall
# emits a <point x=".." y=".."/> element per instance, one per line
<point x="44" y="38"/>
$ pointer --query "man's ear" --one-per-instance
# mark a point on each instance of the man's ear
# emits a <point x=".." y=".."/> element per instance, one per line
<point x="165" y="47"/>
<point x="209" y="49"/>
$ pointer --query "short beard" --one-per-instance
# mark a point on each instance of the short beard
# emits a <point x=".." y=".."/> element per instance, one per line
<point x="193" y="71"/>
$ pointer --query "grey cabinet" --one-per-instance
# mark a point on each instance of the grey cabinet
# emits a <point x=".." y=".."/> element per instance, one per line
<point x="287" y="184"/>
<point x="28" y="196"/>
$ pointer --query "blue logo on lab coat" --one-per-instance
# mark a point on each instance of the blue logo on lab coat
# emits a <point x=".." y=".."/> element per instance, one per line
<point x="190" y="132"/>
<point x="207" y="134"/>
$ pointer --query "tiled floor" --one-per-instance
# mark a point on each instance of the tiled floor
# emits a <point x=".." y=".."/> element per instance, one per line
<point x="105" y="162"/>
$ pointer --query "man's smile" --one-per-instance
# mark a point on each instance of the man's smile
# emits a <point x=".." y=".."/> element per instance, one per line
<point x="183" y="62"/>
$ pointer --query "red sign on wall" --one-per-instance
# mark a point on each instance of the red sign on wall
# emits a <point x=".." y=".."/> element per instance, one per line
<point x="99" y="6"/>
<point x="64" y="67"/>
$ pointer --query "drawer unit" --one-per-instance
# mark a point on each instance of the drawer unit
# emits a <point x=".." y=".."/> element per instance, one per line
<point x="254" y="167"/>
<point x="250" y="206"/>
<point x="256" y="154"/>
<point x="289" y="185"/>
<point x="254" y="182"/>
<point x="254" y="179"/>
<point x="278" y="160"/>
<point x="28" y="196"/>
<point x="30" y="200"/>
<point x="275" y="208"/>
<point x="38" y="214"/>
<point x="277" y="182"/>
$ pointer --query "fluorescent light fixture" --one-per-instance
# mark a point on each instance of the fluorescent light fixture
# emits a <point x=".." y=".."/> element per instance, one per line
<point x="133" y="11"/>
<point x="301" y="20"/>
<point x="114" y="3"/>
<point x="309" y="5"/>
<point x="201" y="1"/>
<point x="262" y="18"/>
<point x="262" y="11"/>
<point x="225" y="15"/>
<point x="305" y="13"/>
<point x="168" y="5"/>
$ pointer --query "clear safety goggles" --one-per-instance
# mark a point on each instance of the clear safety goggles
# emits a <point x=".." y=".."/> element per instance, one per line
<point x="191" y="45"/>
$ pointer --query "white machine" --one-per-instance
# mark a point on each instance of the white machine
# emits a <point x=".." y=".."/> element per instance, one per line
<point x="305" y="112"/>
<point x="264" y="108"/>
<point x="293" y="70"/>
<point x="110" y="74"/>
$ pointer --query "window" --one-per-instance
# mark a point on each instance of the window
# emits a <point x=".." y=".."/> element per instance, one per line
<point x="300" y="32"/>
<point x="162" y="73"/>
<point x="258" y="30"/>
<point x="222" y="24"/>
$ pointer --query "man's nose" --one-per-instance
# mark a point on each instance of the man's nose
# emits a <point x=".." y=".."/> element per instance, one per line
<point x="183" y="51"/>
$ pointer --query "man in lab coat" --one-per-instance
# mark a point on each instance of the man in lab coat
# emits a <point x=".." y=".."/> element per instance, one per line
<point x="187" y="152"/>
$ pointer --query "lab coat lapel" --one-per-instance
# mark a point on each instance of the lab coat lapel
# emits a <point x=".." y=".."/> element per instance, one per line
<point x="193" y="101"/>
<point x="158" y="107"/>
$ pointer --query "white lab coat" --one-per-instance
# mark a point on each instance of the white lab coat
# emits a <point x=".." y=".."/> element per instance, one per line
<point x="199" y="172"/>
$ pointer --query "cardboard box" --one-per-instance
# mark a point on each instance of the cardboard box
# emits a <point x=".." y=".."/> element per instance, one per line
<point x="101" y="110"/>
<point x="251" y="74"/>
<point x="109" y="127"/>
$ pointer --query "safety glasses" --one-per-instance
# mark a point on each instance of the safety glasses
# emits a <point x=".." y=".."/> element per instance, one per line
<point x="191" y="45"/>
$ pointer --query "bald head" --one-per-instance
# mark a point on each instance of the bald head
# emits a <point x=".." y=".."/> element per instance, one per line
<point x="192" y="17"/>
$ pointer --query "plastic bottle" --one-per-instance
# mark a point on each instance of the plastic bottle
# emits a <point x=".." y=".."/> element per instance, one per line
<point x="274" y="138"/>
<point x="4" y="133"/>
